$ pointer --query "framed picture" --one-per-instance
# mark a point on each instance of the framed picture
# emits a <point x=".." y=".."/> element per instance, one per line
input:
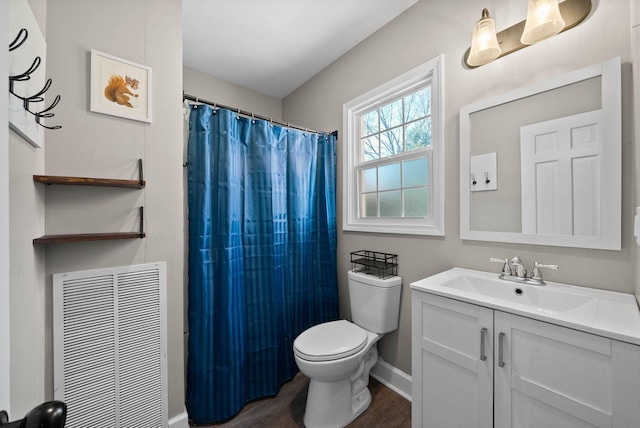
<point x="120" y="87"/>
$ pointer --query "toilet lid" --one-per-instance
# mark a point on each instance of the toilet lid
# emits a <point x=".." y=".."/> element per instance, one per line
<point x="330" y="341"/>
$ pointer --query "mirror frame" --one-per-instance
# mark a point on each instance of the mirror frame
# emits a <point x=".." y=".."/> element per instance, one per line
<point x="611" y="183"/>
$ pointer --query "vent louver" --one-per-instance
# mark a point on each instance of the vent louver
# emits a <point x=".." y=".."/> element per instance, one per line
<point x="110" y="346"/>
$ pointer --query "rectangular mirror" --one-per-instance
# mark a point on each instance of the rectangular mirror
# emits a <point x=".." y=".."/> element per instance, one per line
<point x="558" y="148"/>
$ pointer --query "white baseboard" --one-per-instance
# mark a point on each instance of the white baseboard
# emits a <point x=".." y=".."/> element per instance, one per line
<point x="180" y="421"/>
<point x="393" y="378"/>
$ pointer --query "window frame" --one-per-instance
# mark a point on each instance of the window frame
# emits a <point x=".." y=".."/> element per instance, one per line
<point x="428" y="72"/>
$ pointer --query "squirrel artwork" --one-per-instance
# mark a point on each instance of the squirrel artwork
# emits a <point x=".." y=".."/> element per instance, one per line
<point x="117" y="90"/>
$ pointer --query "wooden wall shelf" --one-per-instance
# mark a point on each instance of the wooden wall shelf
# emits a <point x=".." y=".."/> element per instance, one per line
<point x="86" y="237"/>
<point x="84" y="181"/>
<point x="103" y="182"/>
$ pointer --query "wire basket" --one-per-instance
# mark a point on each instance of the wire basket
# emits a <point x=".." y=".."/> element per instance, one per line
<point x="383" y="265"/>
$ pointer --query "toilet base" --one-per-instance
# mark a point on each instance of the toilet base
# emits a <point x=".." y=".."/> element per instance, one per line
<point x="335" y="404"/>
<point x="344" y="408"/>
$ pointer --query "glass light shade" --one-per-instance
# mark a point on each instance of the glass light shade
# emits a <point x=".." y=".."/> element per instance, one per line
<point x="484" y="43"/>
<point x="543" y="21"/>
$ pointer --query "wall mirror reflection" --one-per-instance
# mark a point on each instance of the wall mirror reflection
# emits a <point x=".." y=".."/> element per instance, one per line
<point x="542" y="164"/>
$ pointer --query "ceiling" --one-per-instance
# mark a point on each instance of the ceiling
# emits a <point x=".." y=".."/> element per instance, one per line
<point x="274" y="46"/>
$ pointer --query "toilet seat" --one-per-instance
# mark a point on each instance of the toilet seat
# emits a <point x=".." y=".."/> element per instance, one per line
<point x="330" y="341"/>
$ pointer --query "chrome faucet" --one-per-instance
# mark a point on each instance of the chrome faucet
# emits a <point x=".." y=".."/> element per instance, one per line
<point x="514" y="271"/>
<point x="520" y="271"/>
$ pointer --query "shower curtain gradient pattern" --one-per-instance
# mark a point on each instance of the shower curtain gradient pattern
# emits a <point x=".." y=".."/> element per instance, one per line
<point x="262" y="255"/>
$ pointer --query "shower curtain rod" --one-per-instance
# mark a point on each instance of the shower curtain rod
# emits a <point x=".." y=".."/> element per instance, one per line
<point x="254" y="116"/>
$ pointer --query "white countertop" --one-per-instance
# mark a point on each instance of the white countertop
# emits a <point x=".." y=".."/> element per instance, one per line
<point x="605" y="313"/>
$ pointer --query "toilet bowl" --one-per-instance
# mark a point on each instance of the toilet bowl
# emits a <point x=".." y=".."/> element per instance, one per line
<point x="337" y="356"/>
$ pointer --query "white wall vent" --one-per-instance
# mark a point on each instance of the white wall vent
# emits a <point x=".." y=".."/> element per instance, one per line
<point x="110" y="346"/>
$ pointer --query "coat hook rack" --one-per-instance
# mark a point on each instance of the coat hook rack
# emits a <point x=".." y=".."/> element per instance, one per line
<point x="19" y="40"/>
<point x="38" y="97"/>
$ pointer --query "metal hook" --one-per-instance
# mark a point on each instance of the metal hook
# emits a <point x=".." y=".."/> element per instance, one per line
<point x="486" y="178"/>
<point x="473" y="179"/>
<point x="19" y="40"/>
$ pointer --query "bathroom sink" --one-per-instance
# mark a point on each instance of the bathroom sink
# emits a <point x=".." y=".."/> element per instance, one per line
<point x="607" y="313"/>
<point x="539" y="298"/>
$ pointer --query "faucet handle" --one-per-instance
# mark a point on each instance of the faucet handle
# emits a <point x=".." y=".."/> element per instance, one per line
<point x="506" y="269"/>
<point x="535" y="272"/>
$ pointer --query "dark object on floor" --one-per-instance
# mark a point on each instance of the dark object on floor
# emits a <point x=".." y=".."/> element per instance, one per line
<point x="52" y="414"/>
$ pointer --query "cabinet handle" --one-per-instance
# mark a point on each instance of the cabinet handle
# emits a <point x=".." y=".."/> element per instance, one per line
<point x="483" y="334"/>
<point x="501" y="350"/>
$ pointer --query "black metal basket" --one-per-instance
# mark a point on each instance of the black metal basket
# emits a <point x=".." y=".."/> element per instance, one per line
<point x="383" y="265"/>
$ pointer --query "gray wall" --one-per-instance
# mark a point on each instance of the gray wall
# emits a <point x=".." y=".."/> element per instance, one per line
<point x="220" y="91"/>
<point x="28" y="292"/>
<point x="95" y="145"/>
<point x="430" y="28"/>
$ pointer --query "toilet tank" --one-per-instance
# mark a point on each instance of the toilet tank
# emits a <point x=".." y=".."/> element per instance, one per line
<point x="375" y="302"/>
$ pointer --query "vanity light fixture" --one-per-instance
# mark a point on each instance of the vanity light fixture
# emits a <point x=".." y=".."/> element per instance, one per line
<point x="545" y="18"/>
<point x="543" y="21"/>
<point x="484" y="44"/>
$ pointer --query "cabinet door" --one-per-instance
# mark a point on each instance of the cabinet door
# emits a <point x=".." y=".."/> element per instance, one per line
<point x="551" y="376"/>
<point x="452" y="377"/>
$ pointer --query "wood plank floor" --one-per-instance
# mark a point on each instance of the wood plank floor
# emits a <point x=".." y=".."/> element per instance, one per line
<point x="388" y="409"/>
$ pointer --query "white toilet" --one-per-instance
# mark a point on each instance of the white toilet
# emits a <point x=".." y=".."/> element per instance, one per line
<point x="337" y="356"/>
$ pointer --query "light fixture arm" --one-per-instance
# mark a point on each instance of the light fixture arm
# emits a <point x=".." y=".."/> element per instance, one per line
<point x="573" y="12"/>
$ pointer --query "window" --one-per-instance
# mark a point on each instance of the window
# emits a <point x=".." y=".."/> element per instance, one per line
<point x="394" y="157"/>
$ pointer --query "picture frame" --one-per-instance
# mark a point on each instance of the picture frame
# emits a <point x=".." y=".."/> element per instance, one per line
<point x="120" y="87"/>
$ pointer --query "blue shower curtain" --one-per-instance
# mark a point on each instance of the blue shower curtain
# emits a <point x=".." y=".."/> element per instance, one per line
<point x="262" y="255"/>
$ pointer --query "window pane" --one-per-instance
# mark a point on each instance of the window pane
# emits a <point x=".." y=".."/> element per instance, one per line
<point x="418" y="134"/>
<point x="368" y="180"/>
<point x="417" y="105"/>
<point x="390" y="204"/>
<point x="369" y="205"/>
<point x="391" y="115"/>
<point x="391" y="142"/>
<point x="389" y="177"/>
<point x="369" y="123"/>
<point x="416" y="202"/>
<point x="370" y="149"/>
<point x="415" y="172"/>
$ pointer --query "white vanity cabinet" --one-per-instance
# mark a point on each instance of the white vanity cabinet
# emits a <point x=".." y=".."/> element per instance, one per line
<point x="479" y="367"/>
